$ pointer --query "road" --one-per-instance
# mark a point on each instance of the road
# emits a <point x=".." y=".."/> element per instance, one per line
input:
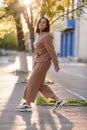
<point x="72" y="77"/>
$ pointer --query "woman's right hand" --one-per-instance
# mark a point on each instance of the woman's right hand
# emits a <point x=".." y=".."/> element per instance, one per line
<point x="57" y="68"/>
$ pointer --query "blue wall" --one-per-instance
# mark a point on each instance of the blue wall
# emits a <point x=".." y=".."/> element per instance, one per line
<point x="67" y="44"/>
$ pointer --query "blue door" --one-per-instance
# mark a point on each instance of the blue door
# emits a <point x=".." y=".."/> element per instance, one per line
<point x="67" y="44"/>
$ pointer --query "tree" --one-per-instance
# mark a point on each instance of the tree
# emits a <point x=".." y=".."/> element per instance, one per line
<point x="49" y="8"/>
<point x="12" y="9"/>
<point x="31" y="13"/>
<point x="37" y="9"/>
<point x="5" y="21"/>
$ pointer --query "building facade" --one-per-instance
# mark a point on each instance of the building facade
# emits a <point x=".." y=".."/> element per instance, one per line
<point x="70" y="34"/>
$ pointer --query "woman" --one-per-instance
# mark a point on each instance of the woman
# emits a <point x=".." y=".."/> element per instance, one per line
<point x="44" y="53"/>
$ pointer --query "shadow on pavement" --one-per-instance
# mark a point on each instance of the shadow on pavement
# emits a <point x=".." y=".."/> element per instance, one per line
<point x="10" y="118"/>
<point x="26" y="117"/>
<point x="49" y="120"/>
<point x="41" y="117"/>
<point x="64" y="122"/>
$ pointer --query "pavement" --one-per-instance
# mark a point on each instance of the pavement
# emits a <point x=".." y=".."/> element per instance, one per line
<point x="41" y="117"/>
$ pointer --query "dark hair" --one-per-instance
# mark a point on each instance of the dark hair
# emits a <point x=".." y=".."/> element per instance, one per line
<point x="47" y="29"/>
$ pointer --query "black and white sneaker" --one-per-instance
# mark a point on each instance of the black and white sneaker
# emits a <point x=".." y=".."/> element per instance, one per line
<point x="58" y="104"/>
<point x="23" y="107"/>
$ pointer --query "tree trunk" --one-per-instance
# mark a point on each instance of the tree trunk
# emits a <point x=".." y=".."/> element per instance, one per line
<point x="23" y="66"/>
<point x="29" y="21"/>
<point x="20" y="35"/>
<point x="32" y="37"/>
<point x="21" y="45"/>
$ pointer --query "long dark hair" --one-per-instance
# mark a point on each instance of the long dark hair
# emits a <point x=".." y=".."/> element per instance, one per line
<point x="47" y="29"/>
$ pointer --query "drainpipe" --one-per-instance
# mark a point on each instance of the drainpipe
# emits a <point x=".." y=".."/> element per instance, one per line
<point x="77" y="32"/>
<point x="77" y="37"/>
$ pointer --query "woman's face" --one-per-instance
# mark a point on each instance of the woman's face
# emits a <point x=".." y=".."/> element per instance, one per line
<point x="42" y="25"/>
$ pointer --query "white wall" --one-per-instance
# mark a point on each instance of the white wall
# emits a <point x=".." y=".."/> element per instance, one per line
<point x="83" y="39"/>
<point x="57" y="41"/>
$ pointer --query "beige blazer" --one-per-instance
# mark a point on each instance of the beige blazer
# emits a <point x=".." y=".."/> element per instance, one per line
<point x="44" y="49"/>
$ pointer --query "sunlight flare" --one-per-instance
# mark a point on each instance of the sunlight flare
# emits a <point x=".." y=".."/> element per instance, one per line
<point x="1" y="2"/>
<point x="26" y="2"/>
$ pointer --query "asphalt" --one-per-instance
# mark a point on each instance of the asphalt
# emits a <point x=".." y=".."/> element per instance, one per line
<point x="41" y="117"/>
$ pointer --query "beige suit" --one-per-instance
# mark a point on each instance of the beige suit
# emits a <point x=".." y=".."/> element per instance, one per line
<point x="44" y="53"/>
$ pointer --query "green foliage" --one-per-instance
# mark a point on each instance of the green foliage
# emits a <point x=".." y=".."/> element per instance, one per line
<point x="12" y="7"/>
<point x="48" y="11"/>
<point x="1" y="43"/>
<point x="2" y="12"/>
<point x="60" y="8"/>
<point x="76" y="102"/>
<point x="9" y="41"/>
<point x="40" y="100"/>
<point x="7" y="24"/>
<point x="54" y="8"/>
<point x="43" y="101"/>
<point x="66" y="3"/>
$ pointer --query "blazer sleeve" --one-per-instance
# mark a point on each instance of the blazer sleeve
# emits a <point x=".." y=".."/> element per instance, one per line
<point x="48" y="42"/>
<point x="34" y="54"/>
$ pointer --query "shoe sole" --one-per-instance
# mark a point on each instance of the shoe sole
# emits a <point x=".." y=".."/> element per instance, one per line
<point x="62" y="103"/>
<point x="23" y="110"/>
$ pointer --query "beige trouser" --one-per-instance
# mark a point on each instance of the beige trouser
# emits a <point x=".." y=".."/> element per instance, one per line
<point x="36" y="83"/>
